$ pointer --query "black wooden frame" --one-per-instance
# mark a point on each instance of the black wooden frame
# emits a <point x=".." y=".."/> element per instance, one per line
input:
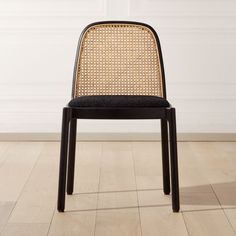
<point x="168" y="128"/>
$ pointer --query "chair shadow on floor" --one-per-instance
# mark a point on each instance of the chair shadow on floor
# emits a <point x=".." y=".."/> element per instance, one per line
<point x="213" y="195"/>
<point x="200" y="197"/>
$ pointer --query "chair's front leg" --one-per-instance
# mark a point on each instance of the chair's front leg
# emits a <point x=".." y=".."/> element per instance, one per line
<point x="71" y="156"/>
<point x="63" y="160"/>
<point x="165" y="156"/>
<point x="174" y="160"/>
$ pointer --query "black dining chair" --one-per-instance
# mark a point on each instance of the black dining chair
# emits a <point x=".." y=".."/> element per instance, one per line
<point x="118" y="74"/>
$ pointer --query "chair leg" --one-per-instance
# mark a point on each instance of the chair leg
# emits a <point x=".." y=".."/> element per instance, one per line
<point x="71" y="156"/>
<point x="63" y="160"/>
<point x="165" y="156"/>
<point x="174" y="161"/>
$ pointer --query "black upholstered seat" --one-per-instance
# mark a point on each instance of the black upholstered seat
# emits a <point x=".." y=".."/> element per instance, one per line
<point x="118" y="101"/>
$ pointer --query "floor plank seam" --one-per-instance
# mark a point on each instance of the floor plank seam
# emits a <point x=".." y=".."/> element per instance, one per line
<point x="229" y="221"/>
<point x="135" y="179"/>
<point x="99" y="179"/>
<point x="4" y="225"/>
<point x="27" y="180"/>
<point x="119" y="191"/>
<point x="223" y="210"/>
<point x="118" y="208"/>
<point x="5" y="158"/>
<point x="51" y="221"/>
<point x="216" y="196"/>
<point x="199" y="210"/>
<point x="185" y="223"/>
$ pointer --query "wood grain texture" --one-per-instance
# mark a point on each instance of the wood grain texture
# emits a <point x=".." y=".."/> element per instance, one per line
<point x="116" y="192"/>
<point x="208" y="223"/>
<point x="117" y="170"/>
<point x="25" y="229"/>
<point x="73" y="223"/>
<point x="5" y="211"/>
<point x="118" y="222"/>
<point x="37" y="200"/>
<point x="20" y="159"/>
<point x="161" y="221"/>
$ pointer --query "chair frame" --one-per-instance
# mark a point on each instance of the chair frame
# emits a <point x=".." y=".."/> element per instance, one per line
<point x="167" y="115"/>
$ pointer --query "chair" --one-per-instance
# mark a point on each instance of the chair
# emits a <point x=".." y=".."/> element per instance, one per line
<point x="118" y="74"/>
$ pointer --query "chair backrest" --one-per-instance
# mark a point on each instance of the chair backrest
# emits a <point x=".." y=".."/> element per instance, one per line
<point x="118" y="58"/>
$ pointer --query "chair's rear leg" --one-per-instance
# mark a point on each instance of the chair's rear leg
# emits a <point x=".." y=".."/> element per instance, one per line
<point x="165" y="156"/>
<point x="71" y="156"/>
<point x="63" y="160"/>
<point x="174" y="160"/>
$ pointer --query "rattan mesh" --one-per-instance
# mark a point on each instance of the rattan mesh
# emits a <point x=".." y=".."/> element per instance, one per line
<point x="118" y="59"/>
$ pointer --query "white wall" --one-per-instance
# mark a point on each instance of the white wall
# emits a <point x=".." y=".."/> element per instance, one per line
<point x="37" y="48"/>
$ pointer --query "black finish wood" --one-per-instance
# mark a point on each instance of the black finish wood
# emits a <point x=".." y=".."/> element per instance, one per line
<point x="120" y="113"/>
<point x="63" y="159"/>
<point x="165" y="156"/>
<point x="174" y="160"/>
<point x="71" y="156"/>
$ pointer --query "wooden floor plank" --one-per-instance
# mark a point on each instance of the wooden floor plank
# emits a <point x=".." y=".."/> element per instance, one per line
<point x="117" y="169"/>
<point x="231" y="215"/>
<point x="87" y="167"/>
<point x="226" y="193"/>
<point x="153" y="198"/>
<point x="14" y="172"/>
<point x="5" y="211"/>
<point x="25" y="230"/>
<point x="162" y="221"/>
<point x="38" y="198"/>
<point x="81" y="202"/>
<point x="191" y="173"/>
<point x="73" y="224"/>
<point x="118" y="222"/>
<point x="218" y="164"/>
<point x="3" y="148"/>
<point x="207" y="223"/>
<point x="117" y="200"/>
<point x="107" y="176"/>
<point x="148" y="164"/>
<point x="217" y="160"/>
<point x="198" y="198"/>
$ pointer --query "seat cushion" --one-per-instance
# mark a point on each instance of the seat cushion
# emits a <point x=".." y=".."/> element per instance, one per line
<point x="118" y="101"/>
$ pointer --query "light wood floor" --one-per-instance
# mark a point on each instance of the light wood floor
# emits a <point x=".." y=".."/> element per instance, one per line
<point x="118" y="190"/>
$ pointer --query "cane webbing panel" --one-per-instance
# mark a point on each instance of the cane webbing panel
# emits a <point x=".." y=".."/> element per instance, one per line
<point x="118" y="59"/>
